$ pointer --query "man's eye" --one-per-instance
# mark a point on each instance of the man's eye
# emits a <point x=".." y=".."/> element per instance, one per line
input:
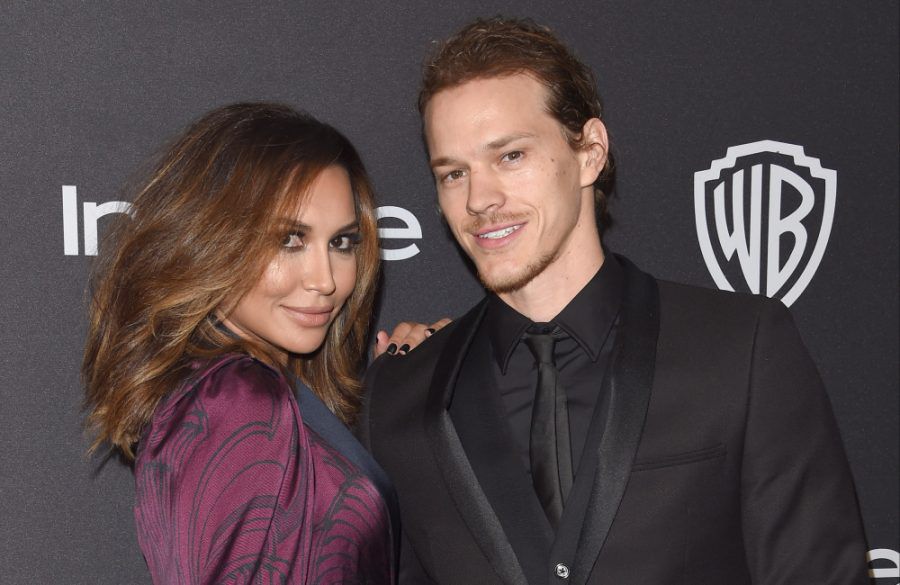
<point x="453" y="175"/>
<point x="513" y="156"/>
<point x="292" y="240"/>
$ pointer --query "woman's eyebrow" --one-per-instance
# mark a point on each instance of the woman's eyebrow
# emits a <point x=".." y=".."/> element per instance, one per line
<point x="353" y="225"/>
<point x="300" y="226"/>
<point x="294" y="224"/>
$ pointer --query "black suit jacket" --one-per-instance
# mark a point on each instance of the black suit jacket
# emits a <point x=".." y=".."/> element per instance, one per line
<point x="719" y="460"/>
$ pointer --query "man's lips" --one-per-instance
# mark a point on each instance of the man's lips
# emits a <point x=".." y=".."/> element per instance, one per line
<point x="497" y="235"/>
<point x="310" y="316"/>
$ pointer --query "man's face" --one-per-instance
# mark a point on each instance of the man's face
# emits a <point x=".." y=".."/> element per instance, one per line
<point x="517" y="197"/>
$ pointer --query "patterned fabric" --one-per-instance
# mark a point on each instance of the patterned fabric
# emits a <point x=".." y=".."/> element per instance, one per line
<point x="233" y="487"/>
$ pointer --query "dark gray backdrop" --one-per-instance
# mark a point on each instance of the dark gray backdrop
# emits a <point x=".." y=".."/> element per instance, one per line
<point x="89" y="91"/>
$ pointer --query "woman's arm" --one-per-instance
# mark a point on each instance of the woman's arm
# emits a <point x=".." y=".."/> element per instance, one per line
<point x="222" y="481"/>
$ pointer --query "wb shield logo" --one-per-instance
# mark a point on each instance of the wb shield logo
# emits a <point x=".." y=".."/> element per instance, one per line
<point x="764" y="214"/>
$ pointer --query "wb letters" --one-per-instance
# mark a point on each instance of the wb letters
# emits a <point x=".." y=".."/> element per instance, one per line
<point x="764" y="214"/>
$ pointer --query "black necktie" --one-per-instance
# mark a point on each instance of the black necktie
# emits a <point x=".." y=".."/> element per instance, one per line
<point x="549" y="445"/>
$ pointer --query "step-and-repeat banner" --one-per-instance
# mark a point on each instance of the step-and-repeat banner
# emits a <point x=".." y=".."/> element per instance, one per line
<point x="756" y="145"/>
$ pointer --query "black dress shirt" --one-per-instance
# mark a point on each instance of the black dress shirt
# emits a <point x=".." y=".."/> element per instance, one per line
<point x="582" y="356"/>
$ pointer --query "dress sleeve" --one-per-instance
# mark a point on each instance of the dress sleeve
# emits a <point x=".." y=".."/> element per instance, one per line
<point x="223" y="484"/>
<point x="800" y="515"/>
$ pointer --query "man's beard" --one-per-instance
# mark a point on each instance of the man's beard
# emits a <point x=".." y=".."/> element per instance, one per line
<point x="512" y="282"/>
<point x="515" y="282"/>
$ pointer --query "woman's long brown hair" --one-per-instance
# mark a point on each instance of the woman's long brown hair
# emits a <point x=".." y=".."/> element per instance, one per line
<point x="204" y="225"/>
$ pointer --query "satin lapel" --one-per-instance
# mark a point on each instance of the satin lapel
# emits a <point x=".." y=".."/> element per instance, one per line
<point x="479" y="416"/>
<point x="630" y="385"/>
<point x="470" y="500"/>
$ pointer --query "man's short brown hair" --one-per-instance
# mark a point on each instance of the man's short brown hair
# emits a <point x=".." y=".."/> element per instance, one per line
<point x="497" y="47"/>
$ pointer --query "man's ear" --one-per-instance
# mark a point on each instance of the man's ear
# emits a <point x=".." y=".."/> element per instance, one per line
<point x="593" y="151"/>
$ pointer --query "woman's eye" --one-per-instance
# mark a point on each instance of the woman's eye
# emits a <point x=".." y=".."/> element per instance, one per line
<point x="293" y="240"/>
<point x="345" y="242"/>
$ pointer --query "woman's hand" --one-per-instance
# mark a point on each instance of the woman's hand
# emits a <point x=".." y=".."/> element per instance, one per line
<point x="406" y="337"/>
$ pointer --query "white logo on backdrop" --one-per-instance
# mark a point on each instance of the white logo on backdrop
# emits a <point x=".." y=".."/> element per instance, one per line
<point x="91" y="215"/>
<point x="876" y="555"/>
<point x="721" y="189"/>
<point x="92" y="212"/>
<point x="411" y="230"/>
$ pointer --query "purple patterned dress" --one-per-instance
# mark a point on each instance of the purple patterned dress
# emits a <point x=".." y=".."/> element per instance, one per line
<point x="239" y="480"/>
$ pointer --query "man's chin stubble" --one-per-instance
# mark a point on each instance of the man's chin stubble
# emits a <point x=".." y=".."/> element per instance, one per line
<point x="517" y="281"/>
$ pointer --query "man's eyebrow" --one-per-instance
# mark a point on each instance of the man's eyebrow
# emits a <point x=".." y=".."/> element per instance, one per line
<point x="501" y="142"/>
<point x="495" y="144"/>
<point x="444" y="161"/>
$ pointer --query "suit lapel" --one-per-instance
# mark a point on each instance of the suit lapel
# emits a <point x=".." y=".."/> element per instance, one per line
<point x="630" y="383"/>
<point x="479" y="416"/>
<point x="461" y="482"/>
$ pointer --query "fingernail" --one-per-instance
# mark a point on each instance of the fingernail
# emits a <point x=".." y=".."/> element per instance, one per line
<point x="429" y="332"/>
<point x="403" y="348"/>
<point x="391" y="349"/>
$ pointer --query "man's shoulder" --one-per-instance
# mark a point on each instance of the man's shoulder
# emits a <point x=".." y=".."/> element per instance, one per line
<point x="685" y="295"/>
<point x="699" y="308"/>
<point x="680" y="296"/>
<point x="700" y="304"/>
<point x="416" y="367"/>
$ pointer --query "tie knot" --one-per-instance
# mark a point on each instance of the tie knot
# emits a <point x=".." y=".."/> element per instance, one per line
<point x="540" y="339"/>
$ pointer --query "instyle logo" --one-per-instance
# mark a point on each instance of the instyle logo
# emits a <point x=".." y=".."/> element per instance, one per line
<point x="771" y="206"/>
<point x="90" y="216"/>
<point x="408" y="229"/>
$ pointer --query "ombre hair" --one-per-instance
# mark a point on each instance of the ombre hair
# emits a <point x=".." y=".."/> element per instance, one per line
<point x="205" y="223"/>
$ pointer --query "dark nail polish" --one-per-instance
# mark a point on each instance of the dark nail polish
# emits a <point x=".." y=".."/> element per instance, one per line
<point x="430" y="331"/>
<point x="403" y="348"/>
<point x="391" y="349"/>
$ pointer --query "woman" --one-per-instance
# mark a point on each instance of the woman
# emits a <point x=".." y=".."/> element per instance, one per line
<point x="227" y="330"/>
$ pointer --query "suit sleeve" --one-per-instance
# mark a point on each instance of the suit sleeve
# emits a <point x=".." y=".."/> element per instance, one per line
<point x="362" y="430"/>
<point x="410" y="570"/>
<point x="222" y="483"/>
<point x="799" y="510"/>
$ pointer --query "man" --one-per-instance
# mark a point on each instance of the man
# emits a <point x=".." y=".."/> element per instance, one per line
<point x="586" y="423"/>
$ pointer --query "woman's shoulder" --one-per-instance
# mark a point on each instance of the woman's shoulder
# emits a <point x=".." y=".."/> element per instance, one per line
<point x="235" y="373"/>
<point x="233" y="389"/>
<point x="220" y="402"/>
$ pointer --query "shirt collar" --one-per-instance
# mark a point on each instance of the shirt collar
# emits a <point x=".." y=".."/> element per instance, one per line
<point x="588" y="317"/>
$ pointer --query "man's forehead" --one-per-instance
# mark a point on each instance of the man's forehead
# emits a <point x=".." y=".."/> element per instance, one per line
<point x="516" y="85"/>
<point x="486" y="111"/>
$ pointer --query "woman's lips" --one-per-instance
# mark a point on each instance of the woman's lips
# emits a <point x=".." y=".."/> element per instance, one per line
<point x="310" y="316"/>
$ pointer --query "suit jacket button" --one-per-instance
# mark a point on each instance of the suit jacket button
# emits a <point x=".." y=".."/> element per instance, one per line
<point x="562" y="571"/>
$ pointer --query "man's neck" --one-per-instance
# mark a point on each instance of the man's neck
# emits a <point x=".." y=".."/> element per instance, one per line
<point x="548" y="293"/>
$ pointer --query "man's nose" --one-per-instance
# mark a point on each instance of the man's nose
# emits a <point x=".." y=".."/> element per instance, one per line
<point x="485" y="192"/>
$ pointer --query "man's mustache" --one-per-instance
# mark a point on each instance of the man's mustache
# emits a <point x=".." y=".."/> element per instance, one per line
<point x="481" y="221"/>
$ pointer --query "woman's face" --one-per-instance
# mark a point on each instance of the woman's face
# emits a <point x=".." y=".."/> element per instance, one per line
<point x="305" y="285"/>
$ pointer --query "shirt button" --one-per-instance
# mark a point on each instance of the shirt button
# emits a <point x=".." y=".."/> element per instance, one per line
<point x="562" y="571"/>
